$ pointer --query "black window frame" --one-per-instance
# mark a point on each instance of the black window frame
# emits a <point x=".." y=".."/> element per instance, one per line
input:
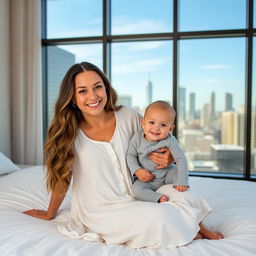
<point x="106" y="39"/>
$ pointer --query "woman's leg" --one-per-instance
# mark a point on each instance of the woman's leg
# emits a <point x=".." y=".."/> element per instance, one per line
<point x="208" y="234"/>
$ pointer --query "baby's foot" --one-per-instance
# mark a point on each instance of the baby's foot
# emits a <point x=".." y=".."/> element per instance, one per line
<point x="163" y="198"/>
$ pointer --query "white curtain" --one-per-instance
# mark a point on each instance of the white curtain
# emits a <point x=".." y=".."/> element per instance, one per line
<point x="25" y="72"/>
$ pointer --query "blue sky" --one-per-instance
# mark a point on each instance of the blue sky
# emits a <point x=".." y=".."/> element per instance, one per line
<point x="205" y="65"/>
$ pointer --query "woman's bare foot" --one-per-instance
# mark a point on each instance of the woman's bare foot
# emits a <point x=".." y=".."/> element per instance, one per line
<point x="208" y="234"/>
<point x="163" y="198"/>
<point x="198" y="236"/>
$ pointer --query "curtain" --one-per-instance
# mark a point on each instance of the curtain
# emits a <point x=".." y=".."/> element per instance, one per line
<point x="25" y="72"/>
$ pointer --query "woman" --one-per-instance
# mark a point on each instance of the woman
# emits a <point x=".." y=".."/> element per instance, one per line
<point x="87" y="140"/>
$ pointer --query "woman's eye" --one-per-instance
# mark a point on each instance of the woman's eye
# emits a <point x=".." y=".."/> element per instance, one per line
<point x="151" y="122"/>
<point x="82" y="91"/>
<point x="98" y="86"/>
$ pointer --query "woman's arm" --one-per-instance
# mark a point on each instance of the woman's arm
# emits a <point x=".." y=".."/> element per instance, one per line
<point x="55" y="202"/>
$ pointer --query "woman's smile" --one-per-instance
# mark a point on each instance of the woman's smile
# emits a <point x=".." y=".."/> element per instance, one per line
<point x="93" y="105"/>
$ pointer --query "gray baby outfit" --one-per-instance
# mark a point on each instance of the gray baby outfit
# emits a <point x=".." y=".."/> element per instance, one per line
<point x="137" y="157"/>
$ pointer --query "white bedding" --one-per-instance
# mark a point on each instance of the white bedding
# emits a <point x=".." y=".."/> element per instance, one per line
<point x="233" y="214"/>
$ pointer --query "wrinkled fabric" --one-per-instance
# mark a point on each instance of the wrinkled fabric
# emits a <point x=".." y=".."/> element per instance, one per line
<point x="233" y="214"/>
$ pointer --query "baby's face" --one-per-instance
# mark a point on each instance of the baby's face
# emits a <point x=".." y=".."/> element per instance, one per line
<point x="157" y="124"/>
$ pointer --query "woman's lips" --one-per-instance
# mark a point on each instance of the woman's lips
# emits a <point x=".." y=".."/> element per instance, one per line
<point x="93" y="105"/>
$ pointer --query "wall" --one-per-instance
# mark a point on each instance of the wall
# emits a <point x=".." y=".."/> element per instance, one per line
<point x="5" y="113"/>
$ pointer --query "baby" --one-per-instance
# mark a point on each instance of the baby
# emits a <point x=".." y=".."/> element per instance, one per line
<point x="157" y="124"/>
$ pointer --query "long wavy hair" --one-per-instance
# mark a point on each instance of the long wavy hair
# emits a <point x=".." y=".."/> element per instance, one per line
<point x="62" y="132"/>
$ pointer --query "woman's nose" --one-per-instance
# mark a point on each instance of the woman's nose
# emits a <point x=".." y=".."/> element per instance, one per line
<point x="91" y="94"/>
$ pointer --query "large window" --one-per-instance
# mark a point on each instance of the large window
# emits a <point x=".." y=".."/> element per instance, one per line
<point x="212" y="15"/>
<point x="139" y="17"/>
<point x="212" y="103"/>
<point x="197" y="55"/>
<point x="74" y="18"/>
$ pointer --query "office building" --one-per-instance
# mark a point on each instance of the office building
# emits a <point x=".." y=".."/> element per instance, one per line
<point x="228" y="102"/>
<point x="182" y="103"/>
<point x="59" y="61"/>
<point x="192" y="106"/>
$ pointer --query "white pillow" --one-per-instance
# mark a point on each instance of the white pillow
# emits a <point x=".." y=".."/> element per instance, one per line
<point x="6" y="165"/>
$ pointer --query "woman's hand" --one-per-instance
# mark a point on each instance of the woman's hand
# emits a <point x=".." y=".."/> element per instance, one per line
<point x="57" y="197"/>
<point x="41" y="214"/>
<point x="162" y="157"/>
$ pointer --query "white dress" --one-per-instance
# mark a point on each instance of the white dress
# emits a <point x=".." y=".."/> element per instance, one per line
<point x="103" y="208"/>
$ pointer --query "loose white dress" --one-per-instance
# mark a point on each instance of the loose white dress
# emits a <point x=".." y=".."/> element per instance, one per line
<point x="103" y="208"/>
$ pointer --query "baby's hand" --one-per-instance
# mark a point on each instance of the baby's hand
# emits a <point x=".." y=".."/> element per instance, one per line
<point x="181" y="188"/>
<point x="163" y="198"/>
<point x="144" y="175"/>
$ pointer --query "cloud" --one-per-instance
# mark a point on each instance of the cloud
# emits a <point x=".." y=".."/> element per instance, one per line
<point x="138" y="66"/>
<point x="91" y="52"/>
<point x="215" y="66"/>
<point x="126" y="26"/>
<point x="145" y="46"/>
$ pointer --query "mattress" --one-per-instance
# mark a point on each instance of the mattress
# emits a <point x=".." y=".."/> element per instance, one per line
<point x="233" y="214"/>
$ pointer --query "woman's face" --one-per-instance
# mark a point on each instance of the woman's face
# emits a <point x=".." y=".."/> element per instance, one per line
<point x="90" y="93"/>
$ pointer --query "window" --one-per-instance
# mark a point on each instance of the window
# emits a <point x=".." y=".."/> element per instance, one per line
<point x="74" y="18"/>
<point x="194" y="54"/>
<point x="142" y="72"/>
<point x="144" y="16"/>
<point x="211" y="103"/>
<point x="212" y="15"/>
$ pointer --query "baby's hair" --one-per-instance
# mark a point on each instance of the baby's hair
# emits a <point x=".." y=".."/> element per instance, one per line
<point x="161" y="104"/>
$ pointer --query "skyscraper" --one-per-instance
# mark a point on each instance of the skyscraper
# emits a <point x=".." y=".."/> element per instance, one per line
<point x="192" y="106"/>
<point x="227" y="127"/>
<point x="182" y="103"/>
<point x="212" y="108"/>
<point x="59" y="61"/>
<point x="232" y="128"/>
<point x="205" y="116"/>
<point x="228" y="101"/>
<point x="149" y="91"/>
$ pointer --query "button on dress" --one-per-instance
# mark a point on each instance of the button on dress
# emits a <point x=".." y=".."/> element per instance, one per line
<point x="103" y="207"/>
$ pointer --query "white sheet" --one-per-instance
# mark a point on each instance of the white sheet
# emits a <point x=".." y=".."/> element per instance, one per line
<point x="233" y="203"/>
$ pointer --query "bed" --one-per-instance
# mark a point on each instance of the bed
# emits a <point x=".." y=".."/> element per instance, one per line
<point x="233" y="214"/>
